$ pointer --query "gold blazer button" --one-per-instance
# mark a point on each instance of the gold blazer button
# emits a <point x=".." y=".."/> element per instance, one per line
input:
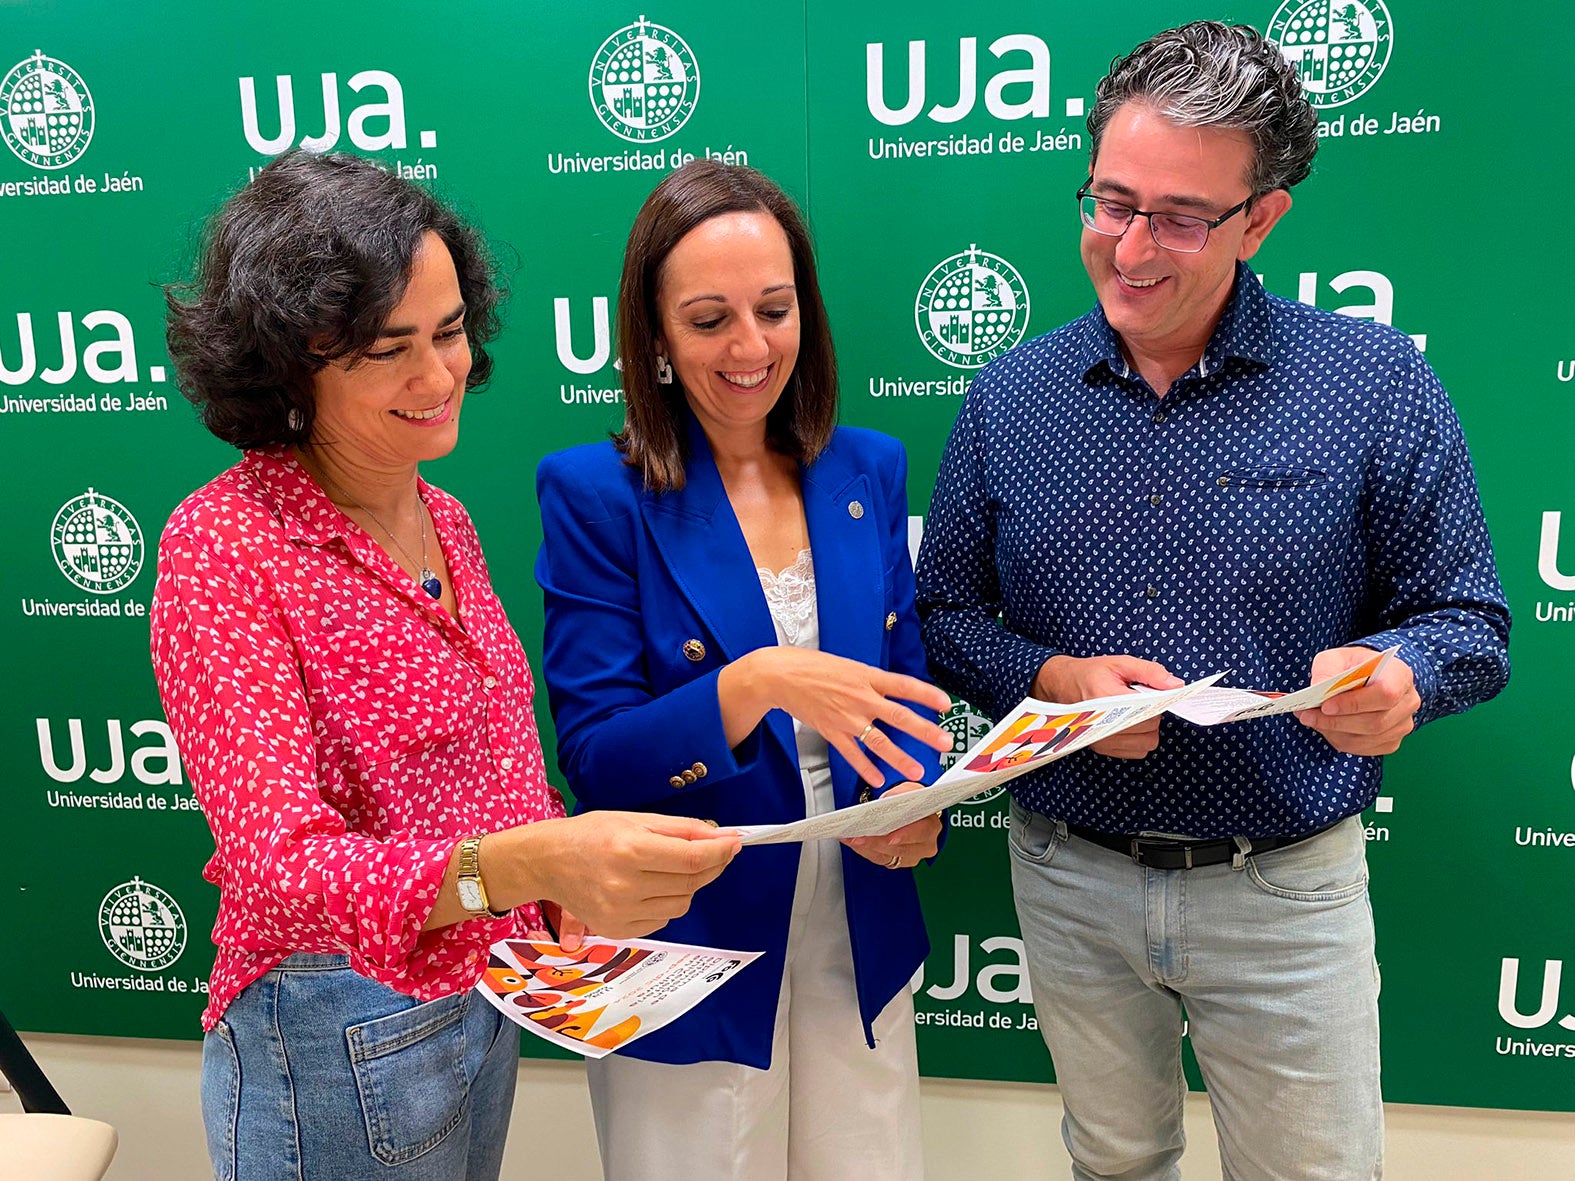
<point x="687" y="776"/>
<point x="855" y="510"/>
<point x="891" y="620"/>
<point x="694" y="650"/>
<point x="675" y="781"/>
<point x="699" y="770"/>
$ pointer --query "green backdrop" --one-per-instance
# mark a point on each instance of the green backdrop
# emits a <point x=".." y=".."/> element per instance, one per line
<point x="936" y="148"/>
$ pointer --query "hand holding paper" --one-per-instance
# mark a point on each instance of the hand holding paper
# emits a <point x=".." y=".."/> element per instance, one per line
<point x="1373" y="718"/>
<point x="1084" y="678"/>
<point x="1038" y="732"/>
<point x="904" y="847"/>
<point x="1218" y="705"/>
<point x="1035" y="733"/>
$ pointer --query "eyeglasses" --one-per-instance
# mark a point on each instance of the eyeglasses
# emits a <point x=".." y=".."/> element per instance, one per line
<point x="1180" y="232"/>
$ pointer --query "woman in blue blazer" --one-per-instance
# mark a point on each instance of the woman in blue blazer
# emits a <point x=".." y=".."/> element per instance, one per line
<point x="731" y="635"/>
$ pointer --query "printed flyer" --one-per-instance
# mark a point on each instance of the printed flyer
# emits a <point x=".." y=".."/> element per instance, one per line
<point x="1039" y="732"/>
<point x="599" y="998"/>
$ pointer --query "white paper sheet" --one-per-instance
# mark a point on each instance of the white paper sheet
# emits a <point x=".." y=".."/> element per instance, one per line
<point x="1039" y="732"/>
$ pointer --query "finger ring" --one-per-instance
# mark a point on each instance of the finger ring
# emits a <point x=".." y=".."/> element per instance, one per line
<point x="864" y="733"/>
<point x="894" y="863"/>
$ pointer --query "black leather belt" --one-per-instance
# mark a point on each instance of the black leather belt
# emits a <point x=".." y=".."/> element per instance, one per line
<point x="1165" y="853"/>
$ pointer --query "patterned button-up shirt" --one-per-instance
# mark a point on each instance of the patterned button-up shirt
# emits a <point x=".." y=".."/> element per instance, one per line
<point x="340" y="730"/>
<point x="1305" y="486"/>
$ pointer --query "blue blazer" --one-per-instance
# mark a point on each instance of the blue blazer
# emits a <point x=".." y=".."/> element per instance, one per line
<point x="647" y="598"/>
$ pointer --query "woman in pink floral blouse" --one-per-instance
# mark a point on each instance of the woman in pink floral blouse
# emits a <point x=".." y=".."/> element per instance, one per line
<point x="353" y="708"/>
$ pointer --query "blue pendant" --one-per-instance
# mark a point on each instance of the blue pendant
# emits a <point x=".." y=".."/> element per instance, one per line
<point x="432" y="586"/>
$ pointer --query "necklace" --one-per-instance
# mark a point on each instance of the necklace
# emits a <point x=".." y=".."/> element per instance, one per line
<point x="428" y="580"/>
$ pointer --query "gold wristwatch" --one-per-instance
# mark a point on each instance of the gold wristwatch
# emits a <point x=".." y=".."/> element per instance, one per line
<point x="472" y="894"/>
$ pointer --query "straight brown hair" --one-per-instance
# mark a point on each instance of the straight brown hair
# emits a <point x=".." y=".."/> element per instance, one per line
<point x="653" y="437"/>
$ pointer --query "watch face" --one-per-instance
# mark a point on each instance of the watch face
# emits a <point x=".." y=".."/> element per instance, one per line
<point x="470" y="894"/>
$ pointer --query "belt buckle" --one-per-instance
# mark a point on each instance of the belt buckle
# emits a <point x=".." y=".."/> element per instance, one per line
<point x="1183" y="847"/>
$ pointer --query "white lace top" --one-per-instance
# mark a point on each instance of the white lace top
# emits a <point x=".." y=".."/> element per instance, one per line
<point x="790" y="596"/>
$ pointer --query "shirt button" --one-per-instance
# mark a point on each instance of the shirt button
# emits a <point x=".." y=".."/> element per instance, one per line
<point x="1159" y="417"/>
<point x="1156" y="500"/>
<point x="1152" y="592"/>
<point x="506" y="763"/>
<point x="490" y="683"/>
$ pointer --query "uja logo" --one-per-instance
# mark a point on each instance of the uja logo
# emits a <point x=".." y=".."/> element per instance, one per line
<point x="46" y="112"/>
<point x="1003" y="982"/>
<point x="387" y="132"/>
<point x="601" y="335"/>
<point x="1548" y="554"/>
<point x="142" y="926"/>
<point x="1547" y="1005"/>
<point x="153" y="763"/>
<point x="1339" y="47"/>
<point x="966" y="727"/>
<point x="644" y="82"/>
<point x="114" y="359"/>
<point x="97" y="543"/>
<point x="971" y="308"/>
<point x="1035" y="75"/>
<point x="1381" y="310"/>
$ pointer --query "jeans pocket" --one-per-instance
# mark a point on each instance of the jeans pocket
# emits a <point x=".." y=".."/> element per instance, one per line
<point x="410" y="1072"/>
<point x="221" y="1098"/>
<point x="1328" y="868"/>
<point x="1032" y="837"/>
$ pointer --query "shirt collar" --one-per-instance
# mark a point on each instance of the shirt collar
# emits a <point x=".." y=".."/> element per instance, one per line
<point x="305" y="510"/>
<point x="1244" y="331"/>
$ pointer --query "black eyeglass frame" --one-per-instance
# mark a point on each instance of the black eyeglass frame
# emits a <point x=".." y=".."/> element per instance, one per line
<point x="1209" y="225"/>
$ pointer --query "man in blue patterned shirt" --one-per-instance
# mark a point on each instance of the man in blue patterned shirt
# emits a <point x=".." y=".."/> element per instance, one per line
<point x="1198" y="476"/>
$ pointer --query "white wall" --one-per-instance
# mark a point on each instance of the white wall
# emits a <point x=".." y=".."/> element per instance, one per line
<point x="148" y="1090"/>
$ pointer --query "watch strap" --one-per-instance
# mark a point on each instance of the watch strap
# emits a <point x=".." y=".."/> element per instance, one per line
<point x="469" y="870"/>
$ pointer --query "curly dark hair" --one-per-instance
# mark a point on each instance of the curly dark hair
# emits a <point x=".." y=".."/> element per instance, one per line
<point x="801" y="422"/>
<point x="1209" y="74"/>
<point x="301" y="267"/>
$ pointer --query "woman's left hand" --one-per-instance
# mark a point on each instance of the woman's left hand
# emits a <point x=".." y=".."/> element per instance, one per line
<point x="901" y="848"/>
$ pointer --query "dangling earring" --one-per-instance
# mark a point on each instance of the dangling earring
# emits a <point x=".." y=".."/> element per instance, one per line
<point x="295" y="420"/>
<point x="664" y="371"/>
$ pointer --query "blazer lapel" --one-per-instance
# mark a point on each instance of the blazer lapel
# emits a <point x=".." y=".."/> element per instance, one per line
<point x="844" y="533"/>
<point x="702" y="546"/>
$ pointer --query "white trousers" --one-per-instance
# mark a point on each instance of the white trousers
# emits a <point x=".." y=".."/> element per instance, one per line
<point x="828" y="1109"/>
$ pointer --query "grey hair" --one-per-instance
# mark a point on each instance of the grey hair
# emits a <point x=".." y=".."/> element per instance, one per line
<point x="1208" y="74"/>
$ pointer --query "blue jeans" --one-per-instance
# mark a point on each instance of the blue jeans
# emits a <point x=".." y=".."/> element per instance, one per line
<point x="1274" y="965"/>
<point x="318" y="1074"/>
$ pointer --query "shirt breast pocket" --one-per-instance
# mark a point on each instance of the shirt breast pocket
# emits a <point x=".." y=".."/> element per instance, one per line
<point x="1271" y="478"/>
<point x="1278" y="521"/>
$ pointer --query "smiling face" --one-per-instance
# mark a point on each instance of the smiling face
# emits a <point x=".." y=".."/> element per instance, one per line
<point x="399" y="403"/>
<point x="728" y="319"/>
<point x="1161" y="303"/>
